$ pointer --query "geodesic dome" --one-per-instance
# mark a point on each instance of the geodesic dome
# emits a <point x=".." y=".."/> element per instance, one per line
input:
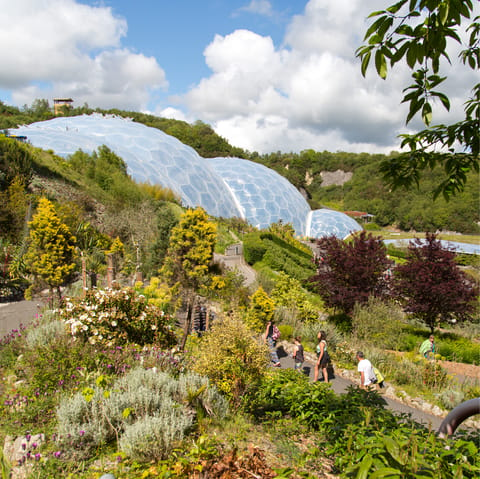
<point x="263" y="195"/>
<point x="325" y="222"/>
<point x="228" y="187"/>
<point x="150" y="154"/>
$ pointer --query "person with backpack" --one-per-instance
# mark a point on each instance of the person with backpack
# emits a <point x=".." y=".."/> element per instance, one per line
<point x="323" y="358"/>
<point x="367" y="373"/>
<point x="270" y="338"/>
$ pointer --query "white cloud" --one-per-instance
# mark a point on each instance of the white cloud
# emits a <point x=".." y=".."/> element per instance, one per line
<point x="259" y="7"/>
<point x="308" y="93"/>
<point x="63" y="48"/>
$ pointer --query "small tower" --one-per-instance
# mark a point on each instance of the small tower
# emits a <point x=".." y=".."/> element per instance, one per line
<point x="58" y="103"/>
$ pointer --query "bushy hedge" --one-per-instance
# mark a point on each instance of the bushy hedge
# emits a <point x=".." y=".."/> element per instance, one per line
<point x="278" y="255"/>
<point x="364" y="438"/>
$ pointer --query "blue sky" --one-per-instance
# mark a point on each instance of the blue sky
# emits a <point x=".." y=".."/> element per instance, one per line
<point x="268" y="75"/>
<point x="177" y="32"/>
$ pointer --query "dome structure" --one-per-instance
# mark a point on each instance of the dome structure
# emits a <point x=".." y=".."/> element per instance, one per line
<point x="227" y="187"/>
<point x="325" y="222"/>
<point x="263" y="195"/>
<point x="150" y="154"/>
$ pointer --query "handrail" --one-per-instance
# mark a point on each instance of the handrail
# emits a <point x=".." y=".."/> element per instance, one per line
<point x="457" y="415"/>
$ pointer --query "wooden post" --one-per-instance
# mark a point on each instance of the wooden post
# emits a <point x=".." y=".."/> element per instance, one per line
<point x="110" y="271"/>
<point x="84" y="275"/>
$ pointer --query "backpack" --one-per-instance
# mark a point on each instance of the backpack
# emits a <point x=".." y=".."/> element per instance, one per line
<point x="275" y="333"/>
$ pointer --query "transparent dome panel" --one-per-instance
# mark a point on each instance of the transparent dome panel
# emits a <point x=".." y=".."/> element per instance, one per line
<point x="325" y="222"/>
<point x="150" y="154"/>
<point x="265" y="196"/>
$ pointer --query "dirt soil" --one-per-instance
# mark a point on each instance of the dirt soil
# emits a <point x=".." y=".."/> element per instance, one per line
<point x="468" y="370"/>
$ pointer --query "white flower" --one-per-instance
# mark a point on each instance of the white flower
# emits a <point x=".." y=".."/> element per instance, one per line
<point x="154" y="327"/>
<point x="113" y="323"/>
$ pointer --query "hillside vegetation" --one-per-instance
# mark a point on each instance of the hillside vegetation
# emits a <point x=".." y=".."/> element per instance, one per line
<point x="407" y="210"/>
<point x="148" y="359"/>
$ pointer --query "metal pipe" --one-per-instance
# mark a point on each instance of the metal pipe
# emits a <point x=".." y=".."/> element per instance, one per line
<point x="457" y="415"/>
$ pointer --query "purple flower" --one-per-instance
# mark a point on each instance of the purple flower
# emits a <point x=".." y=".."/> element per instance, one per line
<point x="57" y="453"/>
<point x="81" y="433"/>
<point x="34" y="445"/>
<point x="24" y="446"/>
<point x="38" y="456"/>
<point x="28" y="455"/>
<point x="28" y="437"/>
<point x="119" y="458"/>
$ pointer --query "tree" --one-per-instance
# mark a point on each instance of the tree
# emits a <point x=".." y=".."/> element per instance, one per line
<point x="189" y="254"/>
<point x="261" y="310"/>
<point x="418" y="33"/>
<point x="431" y="285"/>
<point x="350" y="272"/>
<point x="51" y="253"/>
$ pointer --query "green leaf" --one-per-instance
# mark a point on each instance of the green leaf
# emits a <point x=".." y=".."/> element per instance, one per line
<point x="415" y="107"/>
<point x="443" y="10"/>
<point x="386" y="472"/>
<point x="411" y="54"/>
<point x="394" y="450"/>
<point x="381" y="64"/>
<point x="395" y="8"/>
<point x="443" y="98"/>
<point x="375" y="26"/>
<point x="427" y="113"/>
<point x="365" y="467"/>
<point x="365" y="62"/>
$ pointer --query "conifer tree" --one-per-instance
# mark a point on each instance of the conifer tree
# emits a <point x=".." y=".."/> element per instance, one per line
<point x="261" y="310"/>
<point x="51" y="253"/>
<point x="189" y="254"/>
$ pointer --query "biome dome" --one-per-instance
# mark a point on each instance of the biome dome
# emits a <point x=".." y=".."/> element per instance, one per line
<point x="228" y="187"/>
<point x="325" y="222"/>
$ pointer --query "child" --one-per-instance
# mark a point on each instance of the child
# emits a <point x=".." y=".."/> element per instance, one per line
<point x="298" y="353"/>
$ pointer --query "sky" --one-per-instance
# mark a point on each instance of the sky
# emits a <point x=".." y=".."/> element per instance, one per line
<point x="267" y="75"/>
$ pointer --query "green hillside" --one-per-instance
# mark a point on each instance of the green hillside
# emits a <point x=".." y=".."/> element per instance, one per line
<point x="414" y="209"/>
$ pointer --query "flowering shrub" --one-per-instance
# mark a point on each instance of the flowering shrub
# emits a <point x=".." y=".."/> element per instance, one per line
<point x="108" y="317"/>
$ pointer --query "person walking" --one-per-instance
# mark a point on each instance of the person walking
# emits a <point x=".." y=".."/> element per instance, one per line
<point x="365" y="368"/>
<point x="298" y="355"/>
<point x="323" y="357"/>
<point x="427" y="348"/>
<point x="270" y="339"/>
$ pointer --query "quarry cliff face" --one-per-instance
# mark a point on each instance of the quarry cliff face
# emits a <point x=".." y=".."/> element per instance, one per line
<point x="338" y="177"/>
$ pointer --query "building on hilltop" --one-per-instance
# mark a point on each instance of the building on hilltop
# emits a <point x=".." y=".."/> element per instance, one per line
<point x="60" y="103"/>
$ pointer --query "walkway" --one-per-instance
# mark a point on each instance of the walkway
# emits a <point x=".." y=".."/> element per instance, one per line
<point x="340" y="385"/>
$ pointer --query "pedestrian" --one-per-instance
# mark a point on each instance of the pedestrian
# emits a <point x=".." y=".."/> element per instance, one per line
<point x="427" y="348"/>
<point x="270" y="339"/>
<point x="298" y="355"/>
<point x="365" y="368"/>
<point x="323" y="358"/>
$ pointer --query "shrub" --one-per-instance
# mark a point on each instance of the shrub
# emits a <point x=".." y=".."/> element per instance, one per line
<point x="153" y="437"/>
<point x="45" y="334"/>
<point x="116" y="317"/>
<point x="286" y="332"/>
<point x="253" y="248"/>
<point x="261" y="310"/>
<point x="231" y="357"/>
<point x="100" y="415"/>
<point x="378" y="322"/>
